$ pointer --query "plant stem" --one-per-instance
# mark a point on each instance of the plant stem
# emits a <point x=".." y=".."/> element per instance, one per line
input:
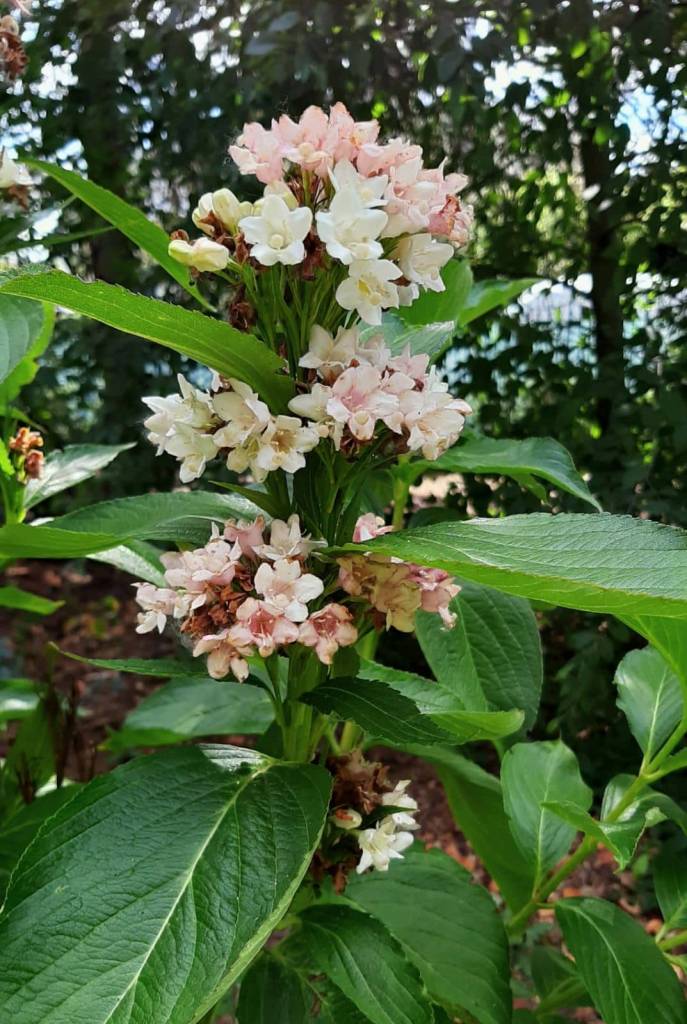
<point x="679" y="939"/>
<point x="400" y="496"/>
<point x="350" y="737"/>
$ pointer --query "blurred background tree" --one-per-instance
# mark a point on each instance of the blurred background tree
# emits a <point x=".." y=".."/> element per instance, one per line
<point x="570" y="121"/>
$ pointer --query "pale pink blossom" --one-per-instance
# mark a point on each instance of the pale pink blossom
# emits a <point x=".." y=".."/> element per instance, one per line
<point x="157" y="604"/>
<point x="375" y="158"/>
<point x="327" y="630"/>
<point x="330" y="355"/>
<point x="243" y="413"/>
<point x="305" y="143"/>
<point x="223" y="655"/>
<point x="196" y="572"/>
<point x="286" y="589"/>
<point x="437" y="591"/>
<point x="358" y="400"/>
<point x="346" y="136"/>
<point x="433" y="419"/>
<point x="259" y="625"/>
<point x="283" y="446"/>
<point x="248" y="535"/>
<point x="287" y="541"/>
<point x="413" y="366"/>
<point x="369" y="526"/>
<point x="257" y="151"/>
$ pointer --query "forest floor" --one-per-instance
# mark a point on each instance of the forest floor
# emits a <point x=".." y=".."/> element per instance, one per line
<point x="97" y="620"/>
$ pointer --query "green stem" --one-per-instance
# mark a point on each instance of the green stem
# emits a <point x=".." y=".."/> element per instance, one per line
<point x="400" y="495"/>
<point x="350" y="737"/>
<point x="679" y="939"/>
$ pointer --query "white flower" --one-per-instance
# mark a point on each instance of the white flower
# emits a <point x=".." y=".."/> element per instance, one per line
<point x="330" y="355"/>
<point x="223" y="655"/>
<point x="286" y="589"/>
<point x="12" y="173"/>
<point x="370" y="191"/>
<point x="349" y="229"/>
<point x="204" y="255"/>
<point x="276" y="234"/>
<point x="193" y="448"/>
<point x="222" y="205"/>
<point x="287" y="541"/>
<point x="167" y="412"/>
<point x="399" y="798"/>
<point x="368" y="289"/>
<point x="382" y="844"/>
<point x="421" y="258"/>
<point x="282" y="446"/>
<point x="278" y="188"/>
<point x="243" y="413"/>
<point x="433" y="418"/>
<point x="157" y="603"/>
<point x="313" y="406"/>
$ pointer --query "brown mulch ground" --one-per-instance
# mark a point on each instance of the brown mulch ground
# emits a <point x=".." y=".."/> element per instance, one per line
<point x="98" y="620"/>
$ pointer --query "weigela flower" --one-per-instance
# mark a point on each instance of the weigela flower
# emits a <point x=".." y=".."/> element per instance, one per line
<point x="248" y="536"/>
<point x="203" y="255"/>
<point x="382" y="844"/>
<point x="193" y="449"/>
<point x="313" y="406"/>
<point x="346" y="818"/>
<point x="198" y="572"/>
<point x="436" y="592"/>
<point x="181" y="425"/>
<point x="12" y="173"/>
<point x="258" y="152"/>
<point x="397" y="797"/>
<point x="286" y="589"/>
<point x="287" y="541"/>
<point x="369" y="526"/>
<point x="327" y="630"/>
<point x="276" y="234"/>
<point x="349" y="230"/>
<point x="369" y="289"/>
<point x="220" y="208"/>
<point x="330" y="355"/>
<point x="421" y="258"/>
<point x="223" y="655"/>
<point x="369" y="191"/>
<point x="283" y="446"/>
<point x="433" y="418"/>
<point x="157" y="603"/>
<point x="259" y="625"/>
<point x="359" y="399"/>
<point x="243" y="414"/>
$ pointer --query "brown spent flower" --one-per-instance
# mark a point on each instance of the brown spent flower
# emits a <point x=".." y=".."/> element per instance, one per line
<point x="13" y="59"/>
<point x="25" y="440"/>
<point x="33" y="464"/>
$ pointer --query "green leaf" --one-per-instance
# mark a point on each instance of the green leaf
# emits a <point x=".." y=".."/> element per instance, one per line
<point x="272" y="993"/>
<point x="21" y="827"/>
<point x="63" y="469"/>
<point x="441" y="307"/>
<point x="20" y="325"/>
<point x="621" y="837"/>
<point x="492" y="657"/>
<point x="476" y="801"/>
<point x="556" y="980"/>
<point x="212" y="342"/>
<point x="670" y="883"/>
<point x="669" y="636"/>
<point x="137" y="558"/>
<point x="164" y="668"/>
<point x="22" y="600"/>
<point x="361" y="958"/>
<point x="432" y="338"/>
<point x="490" y="294"/>
<point x="182" y="516"/>
<point x="537" y="456"/>
<point x="533" y="774"/>
<point x="25" y="371"/>
<point x="623" y="969"/>
<point x="650" y="808"/>
<point x="18" y="698"/>
<point x="400" y="714"/>
<point x="30" y="763"/>
<point x="596" y="562"/>
<point x="109" y="923"/>
<point x="454" y="934"/>
<point x="190" y="707"/>
<point x="650" y="695"/>
<point x="126" y="218"/>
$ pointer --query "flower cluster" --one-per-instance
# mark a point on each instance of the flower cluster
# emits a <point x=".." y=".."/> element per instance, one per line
<point x="242" y="595"/>
<point x="355" y="389"/>
<point x="357" y="385"/>
<point x="335" y="196"/>
<point x="395" y="589"/>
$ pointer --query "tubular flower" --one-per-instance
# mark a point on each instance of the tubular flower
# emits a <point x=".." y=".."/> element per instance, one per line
<point x="328" y="630"/>
<point x="382" y="844"/>
<point x="276" y="234"/>
<point x="369" y="289"/>
<point x="203" y="255"/>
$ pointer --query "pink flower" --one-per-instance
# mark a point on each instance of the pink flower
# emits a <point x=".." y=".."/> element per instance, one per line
<point x="327" y="630"/>
<point x="358" y="400"/>
<point x="410" y="365"/>
<point x="248" y="535"/>
<point x="223" y="655"/>
<point x="369" y="526"/>
<point x="257" y="151"/>
<point x="346" y="136"/>
<point x="195" y="571"/>
<point x="437" y="591"/>
<point x="287" y="541"/>
<point x="305" y="143"/>
<point x="258" y="624"/>
<point x="157" y="603"/>
<point x="433" y="418"/>
<point x="286" y="589"/>
<point x="376" y="159"/>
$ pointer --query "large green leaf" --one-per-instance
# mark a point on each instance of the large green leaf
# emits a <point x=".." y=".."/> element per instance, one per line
<point x="150" y="892"/>
<point x="621" y="837"/>
<point x="651" y="696"/>
<point x="178" y="516"/>
<point x="63" y="469"/>
<point x="598" y="562"/>
<point x="128" y="219"/>
<point x="361" y="958"/>
<point x="490" y="294"/>
<point x="273" y="993"/>
<point x="20" y="828"/>
<point x="624" y="971"/>
<point x="20" y="325"/>
<point x="476" y="801"/>
<point x="164" y="668"/>
<point x="190" y="707"/>
<point x="137" y="558"/>
<point x="449" y="928"/>
<point x="670" y="883"/>
<point x="432" y="339"/>
<point x="406" y="712"/>
<point x="447" y="306"/>
<point x="492" y="657"/>
<point x="669" y="636"/>
<point x="212" y="342"/>
<point x="22" y="600"/>
<point x="30" y="763"/>
<point x="537" y="456"/>
<point x="533" y="774"/>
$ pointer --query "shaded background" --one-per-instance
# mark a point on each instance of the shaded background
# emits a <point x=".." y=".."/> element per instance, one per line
<point x="569" y="119"/>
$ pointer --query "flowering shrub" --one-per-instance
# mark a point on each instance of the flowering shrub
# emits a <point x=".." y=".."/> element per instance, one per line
<point x="287" y="871"/>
